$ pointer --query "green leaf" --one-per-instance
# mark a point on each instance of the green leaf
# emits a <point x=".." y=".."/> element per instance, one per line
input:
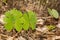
<point x="4" y="1"/>
<point x="8" y="26"/>
<point x="18" y="24"/>
<point x="16" y="13"/>
<point x="8" y="21"/>
<point x="17" y="19"/>
<point x="49" y="10"/>
<point x="26" y="22"/>
<point x="53" y="13"/>
<point x="32" y="19"/>
<point x="50" y="27"/>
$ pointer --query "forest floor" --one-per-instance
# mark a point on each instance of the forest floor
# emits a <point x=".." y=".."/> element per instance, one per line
<point x="43" y="19"/>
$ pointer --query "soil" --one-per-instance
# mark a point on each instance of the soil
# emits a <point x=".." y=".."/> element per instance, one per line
<point x="43" y="19"/>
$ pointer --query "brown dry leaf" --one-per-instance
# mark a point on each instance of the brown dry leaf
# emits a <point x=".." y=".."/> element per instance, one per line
<point x="56" y="38"/>
<point x="16" y="39"/>
<point x="58" y="25"/>
<point x="40" y="21"/>
<point x="1" y="19"/>
<point x="0" y="37"/>
<point x="21" y="38"/>
<point x="43" y="29"/>
<point x="49" y="38"/>
<point x="10" y="38"/>
<point x="30" y="38"/>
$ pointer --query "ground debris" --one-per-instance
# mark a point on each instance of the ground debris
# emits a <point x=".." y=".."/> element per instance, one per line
<point x="43" y="18"/>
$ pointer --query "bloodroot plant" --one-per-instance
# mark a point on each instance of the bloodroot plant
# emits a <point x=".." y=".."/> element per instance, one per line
<point x="54" y="13"/>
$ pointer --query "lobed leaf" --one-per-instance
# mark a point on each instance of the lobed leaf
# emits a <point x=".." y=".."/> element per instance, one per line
<point x="18" y="25"/>
<point x="8" y="21"/>
<point x="32" y="19"/>
<point x="26" y="22"/>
